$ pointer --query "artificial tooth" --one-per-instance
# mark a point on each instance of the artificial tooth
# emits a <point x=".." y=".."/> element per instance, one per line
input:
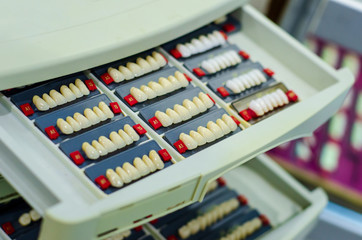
<point x="107" y="144"/>
<point x="219" y="62"/>
<point x="249" y="80"/>
<point x="184" y="232"/>
<point x="131" y="132"/>
<point x="224" y="60"/>
<point x="159" y="90"/>
<point x="231" y="61"/>
<point x="141" y="166"/>
<point x="181" y="78"/>
<point x="272" y="100"/>
<point x="135" y="69"/>
<point x="233" y="86"/>
<point x="67" y="93"/>
<point x="229" y="121"/>
<point x="117" y="140"/>
<point x="174" y="82"/>
<point x="34" y="215"/>
<point x="175" y="117"/>
<point x="185" y="52"/>
<point x="163" y="118"/>
<point x="277" y="98"/>
<point x="215" y="129"/>
<point x="206" y="42"/>
<point x="192" y="48"/>
<point x="75" y="90"/>
<point x="199" y="104"/>
<point x="105" y="109"/>
<point x="206" y="133"/>
<point x="24" y="219"/>
<point x="57" y="97"/>
<point x="255" y="106"/>
<point x="74" y="124"/>
<point x="131" y="171"/>
<point x="267" y="102"/>
<point x="167" y="86"/>
<point x="188" y="141"/>
<point x="90" y="151"/>
<point x="182" y="112"/>
<point x="144" y="65"/>
<point x="197" y="137"/>
<point x="208" y="66"/>
<point x="64" y="127"/>
<point x="260" y="75"/>
<point x="214" y="41"/>
<point x="225" y="128"/>
<point x="83" y="121"/>
<point x="92" y="117"/>
<point x="194" y="226"/>
<point x="189" y="105"/>
<point x="239" y="83"/>
<point x="255" y="76"/>
<point x="40" y="104"/>
<point x="82" y="87"/>
<point x="198" y="45"/>
<point x="262" y="104"/>
<point x="214" y="64"/>
<point x="148" y="91"/>
<point x="125" y="137"/>
<point x="116" y="75"/>
<point x="151" y="166"/>
<point x="100" y="148"/>
<point x="128" y="74"/>
<point x="50" y="101"/>
<point x="155" y="158"/>
<point x="138" y="94"/>
<point x="99" y="113"/>
<point x="235" y="56"/>
<point x="219" y="37"/>
<point x="123" y="175"/>
<point x="153" y="63"/>
<point x="206" y="100"/>
<point x="283" y="96"/>
<point x="159" y="59"/>
<point x="114" y="178"/>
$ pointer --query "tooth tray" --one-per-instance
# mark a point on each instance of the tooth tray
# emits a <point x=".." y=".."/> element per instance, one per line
<point x="163" y="109"/>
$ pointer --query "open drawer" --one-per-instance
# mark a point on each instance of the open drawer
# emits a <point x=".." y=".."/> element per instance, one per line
<point x="67" y="195"/>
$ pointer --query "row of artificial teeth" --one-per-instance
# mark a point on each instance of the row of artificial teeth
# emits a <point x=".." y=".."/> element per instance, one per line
<point x="244" y="230"/>
<point x="186" y="111"/>
<point x="268" y="102"/>
<point x="142" y="66"/>
<point x="213" y="131"/>
<point x="106" y="145"/>
<point x="164" y="86"/>
<point x="140" y="168"/>
<point x="201" y="44"/>
<point x="245" y="81"/>
<point x="26" y="218"/>
<point x="120" y="236"/>
<point x="220" y="62"/>
<point x="67" y="94"/>
<point x="208" y="218"/>
<point x="80" y="121"/>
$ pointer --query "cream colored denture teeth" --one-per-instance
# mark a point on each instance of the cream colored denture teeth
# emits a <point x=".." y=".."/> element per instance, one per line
<point x="135" y="69"/>
<point x="182" y="112"/>
<point x="198" y="138"/>
<point x="40" y="104"/>
<point x="229" y="122"/>
<point x="206" y="100"/>
<point x="105" y="109"/>
<point x="50" y="101"/>
<point x="123" y="175"/>
<point x="155" y="158"/>
<point x="116" y="75"/>
<point x="107" y="144"/>
<point x="224" y="127"/>
<point x="191" y="107"/>
<point x="175" y="117"/>
<point x="199" y="104"/>
<point x="139" y="95"/>
<point x="64" y="126"/>
<point x="161" y="61"/>
<point x="34" y="215"/>
<point x="164" y="119"/>
<point x="208" y="218"/>
<point x="215" y="129"/>
<point x="67" y="93"/>
<point x="174" y="82"/>
<point x="151" y="166"/>
<point x="82" y="87"/>
<point x="152" y="63"/>
<point x="125" y="137"/>
<point x="147" y="68"/>
<point x="99" y="113"/>
<point x="128" y="75"/>
<point x="131" y="171"/>
<point x="58" y="98"/>
<point x="117" y="140"/>
<point x="141" y="166"/>
<point x="157" y="88"/>
<point x="167" y="86"/>
<point x="188" y="141"/>
<point x="75" y="90"/>
<point x="91" y="116"/>
<point x="24" y="219"/>
<point x="100" y="148"/>
<point x="114" y="178"/>
<point x="206" y="133"/>
<point x="148" y="91"/>
<point x="131" y="132"/>
<point x="181" y="78"/>
<point x="90" y="151"/>
<point x="245" y="230"/>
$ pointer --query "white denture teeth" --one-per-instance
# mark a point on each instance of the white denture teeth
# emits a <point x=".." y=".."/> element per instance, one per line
<point x="197" y="137"/>
<point x="225" y="128"/>
<point x="262" y="104"/>
<point x="208" y="66"/>
<point x="105" y="109"/>
<point x="219" y="37"/>
<point x="148" y="91"/>
<point x="206" y="42"/>
<point x="206" y="100"/>
<point x="114" y="178"/>
<point x="153" y="63"/>
<point x="277" y="98"/>
<point x="229" y="121"/>
<point x="57" y="97"/>
<point x="100" y="114"/>
<point x="157" y="88"/>
<point x="243" y="81"/>
<point x="181" y="78"/>
<point x="125" y="137"/>
<point x="116" y="75"/>
<point x="151" y="166"/>
<point x="164" y="119"/>
<point x="40" y="104"/>
<point x="131" y="132"/>
<point x="255" y="106"/>
<point x="191" y="107"/>
<point x="117" y="140"/>
<point x="67" y="93"/>
<point x="131" y="171"/>
<point x="235" y="56"/>
<point x="123" y="175"/>
<point x="192" y="48"/>
<point x="214" y="64"/>
<point x="34" y="215"/>
<point x="199" y="104"/>
<point x="206" y="133"/>
<point x="141" y="166"/>
<point x="255" y="76"/>
<point x="24" y="219"/>
<point x="220" y="62"/>
<point x="50" y="101"/>
<point x="75" y="90"/>
<point x="282" y="95"/>
<point x="174" y="82"/>
<point x="135" y="69"/>
<point x="233" y="86"/>
<point x="91" y="116"/>
<point x="161" y="61"/>
<point x="82" y="87"/>
<point x="128" y="74"/>
<point x="249" y="80"/>
<point x="138" y="94"/>
<point x="184" y="232"/>
<point x="271" y="100"/>
<point x="167" y="86"/>
<point x="175" y="117"/>
<point x="83" y="121"/>
<point x="239" y="83"/>
<point x="155" y="158"/>
<point x="267" y="102"/>
<point x="64" y="126"/>
<point x="107" y="144"/>
<point x="215" y="129"/>
<point x="74" y="124"/>
<point x="188" y="141"/>
<point x="90" y="151"/>
<point x="102" y="151"/>
<point x="260" y="75"/>
<point x="185" y="51"/>
<point x="198" y="45"/>
<point x="182" y="112"/>
<point x="146" y="66"/>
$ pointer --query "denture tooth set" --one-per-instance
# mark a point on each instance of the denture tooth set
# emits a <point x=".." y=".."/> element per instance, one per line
<point x="245" y="81"/>
<point x="222" y="61"/>
<point x="245" y="230"/>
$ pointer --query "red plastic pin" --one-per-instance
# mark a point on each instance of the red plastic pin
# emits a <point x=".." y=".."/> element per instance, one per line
<point x="187" y="77"/>
<point x="77" y="157"/>
<point x="172" y="237"/>
<point x="264" y="219"/>
<point x="211" y="98"/>
<point x="223" y="92"/>
<point x="228" y="27"/>
<point x="164" y="155"/>
<point x="243" y="200"/>
<point x="27" y="109"/>
<point x="155" y="123"/>
<point x="292" y="96"/>
<point x="90" y="85"/>
<point x="115" y="107"/>
<point x="103" y="182"/>
<point x="176" y="53"/>
<point x="235" y="120"/>
<point x="199" y="72"/>
<point x="51" y="132"/>
<point x="139" y="129"/>
<point x="164" y="57"/>
<point x="244" y="55"/>
<point x="180" y="146"/>
<point x="107" y="79"/>
<point x="221" y="181"/>
<point x="245" y="115"/>
<point x="130" y="100"/>
<point x="138" y="229"/>
<point x="8" y="228"/>
<point x="268" y="72"/>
